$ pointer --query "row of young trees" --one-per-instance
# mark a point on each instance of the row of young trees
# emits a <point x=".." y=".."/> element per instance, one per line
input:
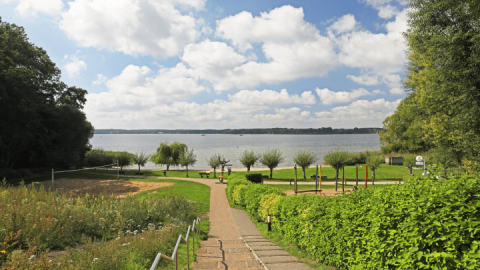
<point x="441" y="112"/>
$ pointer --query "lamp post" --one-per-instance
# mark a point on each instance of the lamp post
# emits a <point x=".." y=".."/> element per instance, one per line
<point x="269" y="223"/>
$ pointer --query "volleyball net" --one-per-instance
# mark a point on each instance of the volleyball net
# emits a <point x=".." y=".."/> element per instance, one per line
<point x="90" y="170"/>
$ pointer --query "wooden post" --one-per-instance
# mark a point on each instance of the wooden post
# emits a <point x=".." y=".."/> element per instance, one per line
<point x="343" y="179"/>
<point x="320" y="181"/>
<point x="53" y="172"/>
<point x="118" y="173"/>
<point x="366" y="175"/>
<point x="295" y="183"/>
<point x="336" y="180"/>
<point x="356" y="183"/>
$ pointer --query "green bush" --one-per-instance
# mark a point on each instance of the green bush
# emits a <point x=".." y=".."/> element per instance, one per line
<point x="239" y="194"/>
<point x="424" y="224"/>
<point x="356" y="158"/>
<point x="233" y="181"/>
<point x="253" y="195"/>
<point x="267" y="205"/>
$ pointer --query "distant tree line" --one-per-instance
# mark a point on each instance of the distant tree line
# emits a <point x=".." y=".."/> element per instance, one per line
<point x="305" y="131"/>
<point x="41" y="123"/>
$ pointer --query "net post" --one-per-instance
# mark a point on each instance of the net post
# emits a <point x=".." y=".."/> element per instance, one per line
<point x="316" y="180"/>
<point x="53" y="172"/>
<point x="366" y="175"/>
<point x="343" y="179"/>
<point x="118" y="173"/>
<point x="356" y="172"/>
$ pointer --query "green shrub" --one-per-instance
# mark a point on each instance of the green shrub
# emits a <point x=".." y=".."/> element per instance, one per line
<point x="253" y="195"/>
<point x="267" y="204"/>
<point x="425" y="224"/>
<point x="239" y="194"/>
<point x="234" y="180"/>
<point x="356" y="158"/>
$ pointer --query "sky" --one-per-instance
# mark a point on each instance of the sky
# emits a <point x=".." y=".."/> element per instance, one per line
<point x="211" y="64"/>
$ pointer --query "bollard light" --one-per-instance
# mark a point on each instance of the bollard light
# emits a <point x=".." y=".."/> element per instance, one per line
<point x="269" y="223"/>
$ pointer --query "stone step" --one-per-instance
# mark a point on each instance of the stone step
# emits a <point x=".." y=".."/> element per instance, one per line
<point x="250" y="264"/>
<point x="225" y="257"/>
<point x="213" y="250"/>
<point x="223" y="241"/>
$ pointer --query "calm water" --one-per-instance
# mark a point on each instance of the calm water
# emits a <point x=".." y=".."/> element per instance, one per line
<point x="231" y="146"/>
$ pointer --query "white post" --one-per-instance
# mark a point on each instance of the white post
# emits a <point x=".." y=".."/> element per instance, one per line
<point x="52" y="179"/>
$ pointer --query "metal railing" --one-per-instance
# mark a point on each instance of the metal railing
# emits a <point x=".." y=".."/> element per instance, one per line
<point x="195" y="229"/>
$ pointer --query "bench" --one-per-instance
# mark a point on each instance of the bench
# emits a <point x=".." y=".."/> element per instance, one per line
<point x="313" y="176"/>
<point x="139" y="173"/>
<point x="207" y="174"/>
<point x="220" y="178"/>
<point x="265" y="177"/>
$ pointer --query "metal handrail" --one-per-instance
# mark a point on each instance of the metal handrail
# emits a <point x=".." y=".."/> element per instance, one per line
<point x="174" y="258"/>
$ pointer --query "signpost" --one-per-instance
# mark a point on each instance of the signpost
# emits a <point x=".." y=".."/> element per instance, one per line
<point x="421" y="161"/>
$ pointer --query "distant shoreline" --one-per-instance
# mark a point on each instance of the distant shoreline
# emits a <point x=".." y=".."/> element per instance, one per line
<point x="268" y="131"/>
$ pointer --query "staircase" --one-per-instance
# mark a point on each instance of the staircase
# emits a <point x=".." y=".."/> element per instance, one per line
<point x="227" y="253"/>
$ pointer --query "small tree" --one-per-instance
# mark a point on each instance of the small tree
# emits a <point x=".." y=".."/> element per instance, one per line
<point x="249" y="158"/>
<point x="140" y="159"/>
<point x="271" y="159"/>
<point x="337" y="159"/>
<point x="187" y="158"/>
<point x="374" y="162"/>
<point x="168" y="154"/>
<point x="304" y="159"/>
<point x="124" y="159"/>
<point x="214" y="162"/>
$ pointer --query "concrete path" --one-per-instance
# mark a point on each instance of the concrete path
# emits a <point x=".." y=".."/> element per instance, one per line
<point x="271" y="255"/>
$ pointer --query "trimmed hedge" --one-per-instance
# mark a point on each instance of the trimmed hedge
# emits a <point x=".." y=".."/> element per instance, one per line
<point x="256" y="178"/>
<point x="425" y="224"/>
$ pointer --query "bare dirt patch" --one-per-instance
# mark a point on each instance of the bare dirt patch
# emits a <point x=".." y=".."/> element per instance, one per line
<point x="325" y="192"/>
<point x="118" y="188"/>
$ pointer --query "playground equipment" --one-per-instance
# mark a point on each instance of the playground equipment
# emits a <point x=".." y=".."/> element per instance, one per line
<point x="318" y="181"/>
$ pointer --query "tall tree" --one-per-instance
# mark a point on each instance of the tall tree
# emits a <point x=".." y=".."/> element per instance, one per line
<point x="34" y="105"/>
<point x="140" y="159"/>
<point x="444" y="72"/>
<point x="337" y="159"/>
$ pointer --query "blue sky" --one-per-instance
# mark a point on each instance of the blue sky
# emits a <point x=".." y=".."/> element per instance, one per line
<point x="224" y="64"/>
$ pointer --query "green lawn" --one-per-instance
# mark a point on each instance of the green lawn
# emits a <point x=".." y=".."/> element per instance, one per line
<point x="170" y="173"/>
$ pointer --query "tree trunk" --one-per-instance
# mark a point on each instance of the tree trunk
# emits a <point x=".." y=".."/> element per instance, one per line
<point x="304" y="176"/>
<point x="373" y="177"/>
<point x="248" y="168"/>
<point x="168" y="166"/>
<point x="187" y="170"/>
<point x="214" y="173"/>
<point x="138" y="167"/>
<point x="410" y="169"/>
<point x="336" y="173"/>
<point x="271" y="173"/>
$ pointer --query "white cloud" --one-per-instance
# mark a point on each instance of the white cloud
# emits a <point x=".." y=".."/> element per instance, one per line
<point x="345" y="24"/>
<point x="284" y="24"/>
<point x="360" y="113"/>
<point x="329" y="97"/>
<point x="395" y="83"/>
<point x="30" y="8"/>
<point x="385" y="10"/>
<point x="380" y="53"/>
<point x="101" y="79"/>
<point x="75" y="65"/>
<point x="134" y="27"/>
<point x="364" y="79"/>
<point x="271" y="98"/>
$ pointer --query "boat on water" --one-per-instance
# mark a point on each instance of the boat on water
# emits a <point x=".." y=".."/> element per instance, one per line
<point x="203" y="134"/>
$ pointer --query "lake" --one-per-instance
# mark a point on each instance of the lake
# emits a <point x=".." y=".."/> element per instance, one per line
<point x="231" y="146"/>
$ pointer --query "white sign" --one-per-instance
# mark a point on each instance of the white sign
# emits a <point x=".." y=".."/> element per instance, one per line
<point x="419" y="158"/>
<point x="419" y="163"/>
